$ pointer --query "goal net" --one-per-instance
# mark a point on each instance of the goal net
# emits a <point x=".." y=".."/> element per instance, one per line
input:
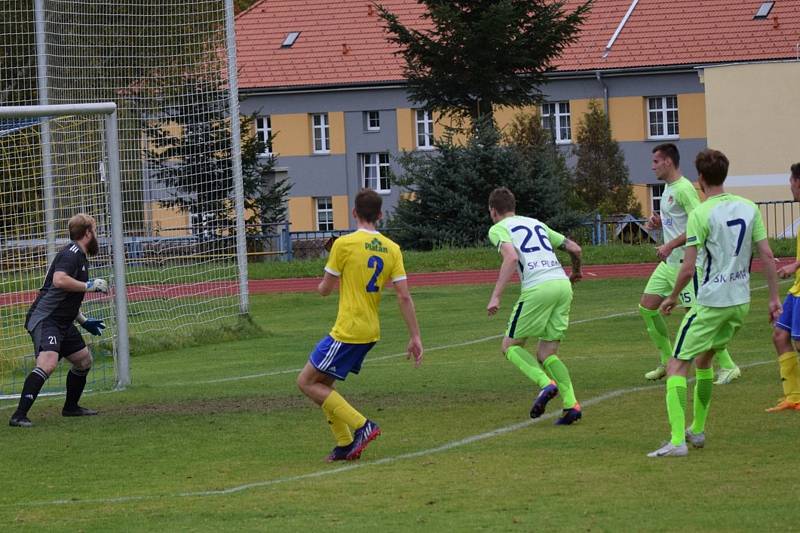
<point x="36" y="202"/>
<point x="165" y="64"/>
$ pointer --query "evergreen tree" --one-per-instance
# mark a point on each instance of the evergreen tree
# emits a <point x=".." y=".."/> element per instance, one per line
<point x="601" y="175"/>
<point x="451" y="189"/>
<point x="552" y="180"/>
<point x="189" y="152"/>
<point x="481" y="54"/>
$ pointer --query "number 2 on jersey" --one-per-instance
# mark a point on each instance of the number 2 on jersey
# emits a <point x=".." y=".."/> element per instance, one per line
<point x="377" y="263"/>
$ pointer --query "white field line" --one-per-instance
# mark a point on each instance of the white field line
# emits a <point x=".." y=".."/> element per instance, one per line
<point x="383" y="357"/>
<point x="373" y="359"/>
<point x="350" y="466"/>
<point x="387" y="460"/>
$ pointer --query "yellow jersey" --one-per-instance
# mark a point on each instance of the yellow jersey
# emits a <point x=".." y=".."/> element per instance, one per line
<point x="363" y="261"/>
<point x="795" y="289"/>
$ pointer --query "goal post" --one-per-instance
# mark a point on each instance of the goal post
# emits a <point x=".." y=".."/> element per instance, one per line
<point x="108" y="169"/>
<point x="170" y="68"/>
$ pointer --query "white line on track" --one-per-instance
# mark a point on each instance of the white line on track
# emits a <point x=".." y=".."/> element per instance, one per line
<point x="351" y="466"/>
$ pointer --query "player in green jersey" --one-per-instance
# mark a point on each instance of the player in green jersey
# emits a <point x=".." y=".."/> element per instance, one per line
<point x="720" y="235"/>
<point x="542" y="311"/>
<point x="677" y="201"/>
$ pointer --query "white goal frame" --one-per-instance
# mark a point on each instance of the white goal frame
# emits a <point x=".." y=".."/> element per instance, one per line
<point x="111" y="140"/>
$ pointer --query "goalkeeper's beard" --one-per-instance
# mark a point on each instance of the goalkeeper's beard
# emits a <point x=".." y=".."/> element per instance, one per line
<point x="92" y="248"/>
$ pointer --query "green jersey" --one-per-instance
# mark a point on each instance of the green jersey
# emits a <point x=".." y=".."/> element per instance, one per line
<point x="534" y="243"/>
<point x="724" y="229"/>
<point x="677" y="201"/>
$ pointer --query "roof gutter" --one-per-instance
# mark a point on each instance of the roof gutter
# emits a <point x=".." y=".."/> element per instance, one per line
<point x="599" y="75"/>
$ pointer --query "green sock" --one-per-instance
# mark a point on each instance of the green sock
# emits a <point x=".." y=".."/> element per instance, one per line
<point x="527" y="365"/>
<point x="724" y="359"/>
<point x="676" y="408"/>
<point x="702" y="398"/>
<point x="657" y="329"/>
<point x="560" y="374"/>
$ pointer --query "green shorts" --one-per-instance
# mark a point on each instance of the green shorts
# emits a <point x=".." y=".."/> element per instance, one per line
<point x="662" y="281"/>
<point x="542" y="312"/>
<point x="708" y="328"/>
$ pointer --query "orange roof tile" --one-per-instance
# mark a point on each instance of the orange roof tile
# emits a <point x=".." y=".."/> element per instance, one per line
<point x="344" y="42"/>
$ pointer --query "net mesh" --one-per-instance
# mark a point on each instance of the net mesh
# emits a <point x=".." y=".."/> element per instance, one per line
<point x="77" y="167"/>
<point x="163" y="63"/>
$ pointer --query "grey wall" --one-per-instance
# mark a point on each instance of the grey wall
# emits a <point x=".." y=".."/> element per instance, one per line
<point x="330" y="175"/>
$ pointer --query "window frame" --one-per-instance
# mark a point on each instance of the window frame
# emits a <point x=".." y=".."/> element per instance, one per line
<point x="324" y="128"/>
<point x="368" y="121"/>
<point x="663" y="112"/>
<point x="264" y="134"/>
<point x="326" y="210"/>
<point x="561" y="112"/>
<point x="378" y="161"/>
<point x="426" y="121"/>
<point x="653" y="196"/>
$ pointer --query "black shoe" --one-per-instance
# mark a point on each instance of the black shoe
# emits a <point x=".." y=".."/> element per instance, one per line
<point x="77" y="411"/>
<point x="20" y="421"/>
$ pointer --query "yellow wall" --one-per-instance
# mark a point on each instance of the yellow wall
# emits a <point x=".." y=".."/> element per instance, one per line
<point x="406" y="131"/>
<point x="341" y="212"/>
<point x="168" y="222"/>
<point x="577" y="110"/>
<point x="292" y="134"/>
<point x="764" y="194"/>
<point x="753" y="113"/>
<point x="302" y="214"/>
<point x="336" y="124"/>
<point x="627" y="117"/>
<point x="642" y="195"/>
<point x="692" y="115"/>
<point x="504" y="116"/>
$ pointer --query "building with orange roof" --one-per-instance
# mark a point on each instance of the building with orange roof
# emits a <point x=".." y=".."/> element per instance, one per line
<point x="324" y="80"/>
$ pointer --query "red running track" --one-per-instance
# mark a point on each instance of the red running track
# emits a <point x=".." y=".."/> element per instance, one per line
<point x="265" y="286"/>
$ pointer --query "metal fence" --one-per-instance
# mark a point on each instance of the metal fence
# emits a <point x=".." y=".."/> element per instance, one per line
<point x="781" y="219"/>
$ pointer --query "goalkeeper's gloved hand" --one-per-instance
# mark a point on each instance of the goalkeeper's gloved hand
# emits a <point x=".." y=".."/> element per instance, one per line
<point x="97" y="285"/>
<point x="95" y="326"/>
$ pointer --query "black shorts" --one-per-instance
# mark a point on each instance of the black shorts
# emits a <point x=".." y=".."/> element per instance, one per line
<point x="50" y="336"/>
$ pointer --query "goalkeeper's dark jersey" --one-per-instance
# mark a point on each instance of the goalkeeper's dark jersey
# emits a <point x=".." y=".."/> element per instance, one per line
<point x="58" y="304"/>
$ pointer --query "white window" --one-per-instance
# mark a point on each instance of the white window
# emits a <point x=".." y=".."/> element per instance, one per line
<point x="656" y="191"/>
<point x="264" y="133"/>
<point x="322" y="138"/>
<point x="424" y="129"/>
<point x="324" y="214"/>
<point x="556" y="120"/>
<point x="372" y="121"/>
<point x="662" y="117"/>
<point x="375" y="172"/>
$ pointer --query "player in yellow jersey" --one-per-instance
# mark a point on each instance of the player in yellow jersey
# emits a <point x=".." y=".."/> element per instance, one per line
<point x="786" y="335"/>
<point x="361" y="262"/>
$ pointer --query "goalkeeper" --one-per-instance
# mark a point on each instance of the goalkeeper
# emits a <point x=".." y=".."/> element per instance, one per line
<point x="50" y="321"/>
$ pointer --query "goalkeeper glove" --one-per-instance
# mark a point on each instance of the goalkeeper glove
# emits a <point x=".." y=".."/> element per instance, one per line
<point x="94" y="326"/>
<point x="97" y="285"/>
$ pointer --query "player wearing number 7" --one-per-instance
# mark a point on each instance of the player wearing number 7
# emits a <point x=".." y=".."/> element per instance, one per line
<point x="720" y="237"/>
<point x="50" y="321"/>
<point x="362" y="262"/>
<point x="542" y="311"/>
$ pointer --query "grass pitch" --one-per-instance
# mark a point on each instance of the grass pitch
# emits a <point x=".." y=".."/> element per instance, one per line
<point x="217" y="438"/>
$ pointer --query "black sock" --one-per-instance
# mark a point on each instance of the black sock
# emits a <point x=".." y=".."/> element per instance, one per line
<point x="76" y="381"/>
<point x="33" y="385"/>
